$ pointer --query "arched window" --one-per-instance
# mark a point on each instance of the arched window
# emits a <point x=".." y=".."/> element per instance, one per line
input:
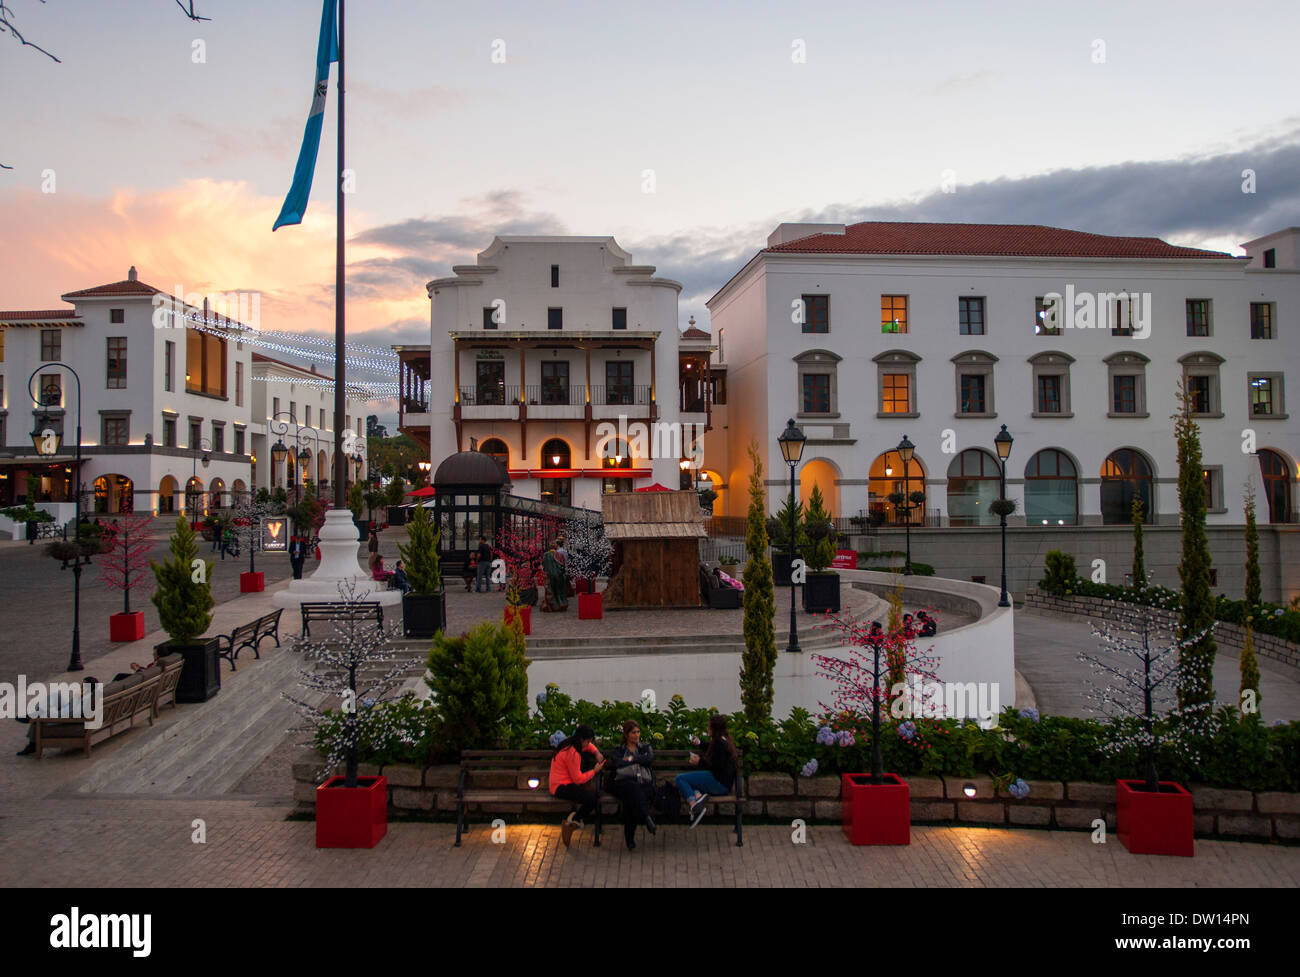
<point x="1051" y="490"/>
<point x="496" y="448"/>
<point x="1277" y="484"/>
<point x="887" y="477"/>
<point x="1125" y="474"/>
<point x="114" y="493"/>
<point x="972" y="486"/>
<point x="617" y="455"/>
<point x="555" y="454"/>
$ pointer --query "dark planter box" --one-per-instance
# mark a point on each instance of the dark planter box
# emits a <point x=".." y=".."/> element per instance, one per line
<point x="396" y="516"/>
<point x="424" y="615"/>
<point x="821" y="593"/>
<point x="363" y="533"/>
<point x="781" y="568"/>
<point x="201" y="673"/>
<point x="876" y="814"/>
<point x="1158" y="823"/>
<point x="351" y="817"/>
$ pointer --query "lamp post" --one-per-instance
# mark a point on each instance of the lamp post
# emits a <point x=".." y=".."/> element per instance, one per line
<point x="792" y="441"/>
<point x="905" y="450"/>
<point x="205" y="447"/>
<point x="280" y="451"/>
<point x="47" y="441"/>
<point x="425" y="467"/>
<point x="1002" y="441"/>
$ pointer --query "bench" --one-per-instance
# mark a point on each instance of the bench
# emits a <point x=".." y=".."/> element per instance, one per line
<point x="508" y="777"/>
<point x="716" y="594"/>
<point x="127" y="703"/>
<point x="340" y="611"/>
<point x="249" y="635"/>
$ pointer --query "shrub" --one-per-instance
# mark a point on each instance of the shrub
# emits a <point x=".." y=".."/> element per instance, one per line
<point x="819" y="550"/>
<point x="421" y="553"/>
<point x="480" y="686"/>
<point x="184" y="603"/>
<point x="1060" y="575"/>
<point x="758" y="661"/>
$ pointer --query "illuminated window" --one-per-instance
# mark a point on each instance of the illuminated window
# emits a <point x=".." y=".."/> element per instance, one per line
<point x="893" y="313"/>
<point x="895" y="398"/>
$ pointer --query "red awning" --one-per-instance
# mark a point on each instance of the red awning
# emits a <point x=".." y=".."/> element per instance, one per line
<point x="656" y="487"/>
<point x="421" y="493"/>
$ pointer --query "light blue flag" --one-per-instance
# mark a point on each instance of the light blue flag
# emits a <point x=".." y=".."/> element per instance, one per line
<point x="327" y="52"/>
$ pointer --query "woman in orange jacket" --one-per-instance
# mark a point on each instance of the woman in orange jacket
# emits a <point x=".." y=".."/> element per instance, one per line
<point x="569" y="782"/>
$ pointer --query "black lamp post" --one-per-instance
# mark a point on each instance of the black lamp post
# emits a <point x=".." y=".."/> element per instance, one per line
<point x="205" y="447"/>
<point x="47" y="442"/>
<point x="280" y="451"/>
<point x="792" y="441"/>
<point x="1002" y="441"/>
<point x="905" y="450"/>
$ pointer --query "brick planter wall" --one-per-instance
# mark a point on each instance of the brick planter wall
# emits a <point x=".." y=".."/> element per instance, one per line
<point x="1264" y="816"/>
<point x="1226" y="634"/>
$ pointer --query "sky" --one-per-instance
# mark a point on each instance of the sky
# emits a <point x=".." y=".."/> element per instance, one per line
<point x="169" y="145"/>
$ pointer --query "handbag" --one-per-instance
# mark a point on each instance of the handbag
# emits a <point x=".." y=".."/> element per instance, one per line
<point x="634" y="773"/>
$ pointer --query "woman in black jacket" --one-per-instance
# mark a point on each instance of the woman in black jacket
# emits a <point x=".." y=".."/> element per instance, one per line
<point x="719" y="766"/>
<point x="633" y="782"/>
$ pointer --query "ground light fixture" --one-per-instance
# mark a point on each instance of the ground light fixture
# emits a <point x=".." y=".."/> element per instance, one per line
<point x="533" y="783"/>
<point x="968" y="790"/>
<point x="792" y="441"/>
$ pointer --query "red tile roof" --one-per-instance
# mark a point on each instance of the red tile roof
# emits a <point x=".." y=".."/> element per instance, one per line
<point x="38" y="314"/>
<point x="127" y="288"/>
<point x="1013" y="240"/>
<point x="695" y="333"/>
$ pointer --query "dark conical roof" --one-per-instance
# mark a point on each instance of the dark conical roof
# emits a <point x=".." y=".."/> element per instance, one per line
<point x="469" y="468"/>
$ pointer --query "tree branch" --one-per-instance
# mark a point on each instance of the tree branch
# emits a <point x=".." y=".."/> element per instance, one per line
<point x="6" y="24"/>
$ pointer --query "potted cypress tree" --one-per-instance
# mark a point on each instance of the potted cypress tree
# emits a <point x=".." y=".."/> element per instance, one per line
<point x="778" y="528"/>
<point x="821" y="589"/>
<point x="184" y="602"/>
<point x="424" y="607"/>
<point x="395" y="495"/>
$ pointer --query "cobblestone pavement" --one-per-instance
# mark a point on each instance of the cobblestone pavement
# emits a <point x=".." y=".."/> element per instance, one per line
<point x="149" y="843"/>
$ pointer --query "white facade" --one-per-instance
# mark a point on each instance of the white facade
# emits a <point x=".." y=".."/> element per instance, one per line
<point x="145" y="426"/>
<point x="861" y="410"/>
<point x="537" y="346"/>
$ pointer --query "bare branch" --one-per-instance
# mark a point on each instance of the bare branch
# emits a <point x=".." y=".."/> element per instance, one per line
<point x="6" y="24"/>
<point x="189" y="13"/>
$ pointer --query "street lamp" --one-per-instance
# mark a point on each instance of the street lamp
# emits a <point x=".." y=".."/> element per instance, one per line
<point x="204" y="446"/>
<point x="280" y="451"/>
<point x="792" y="441"/>
<point x="47" y="442"/>
<point x="425" y="467"/>
<point x="905" y="450"/>
<point x="1002" y="441"/>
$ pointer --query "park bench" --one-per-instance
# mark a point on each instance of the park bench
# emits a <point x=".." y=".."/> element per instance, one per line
<point x="340" y="611"/>
<point x="127" y="702"/>
<point x="249" y="635"/>
<point x="490" y="777"/>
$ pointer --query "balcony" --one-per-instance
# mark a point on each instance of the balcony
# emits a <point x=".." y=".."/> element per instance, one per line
<point x="609" y="401"/>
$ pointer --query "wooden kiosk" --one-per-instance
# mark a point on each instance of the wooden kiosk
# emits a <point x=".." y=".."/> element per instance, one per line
<point x="656" y="548"/>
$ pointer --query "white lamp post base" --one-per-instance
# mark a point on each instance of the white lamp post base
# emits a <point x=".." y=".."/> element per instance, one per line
<point x="339" y="548"/>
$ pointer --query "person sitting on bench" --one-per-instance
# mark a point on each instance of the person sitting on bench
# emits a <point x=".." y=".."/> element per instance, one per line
<point x="717" y="774"/>
<point x="63" y="706"/>
<point x="926" y="625"/>
<point x="570" y="782"/>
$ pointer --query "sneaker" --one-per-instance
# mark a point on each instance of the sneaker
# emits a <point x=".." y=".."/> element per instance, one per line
<point x="650" y="824"/>
<point x="698" y="811"/>
<point x="696" y="801"/>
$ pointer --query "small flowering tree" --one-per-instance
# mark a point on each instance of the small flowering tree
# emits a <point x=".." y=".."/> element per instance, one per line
<point x="359" y="646"/>
<point x="588" y="548"/>
<point x="125" y="566"/>
<point x="862" y="677"/>
<point x="250" y="512"/>
<point x="1139" y="670"/>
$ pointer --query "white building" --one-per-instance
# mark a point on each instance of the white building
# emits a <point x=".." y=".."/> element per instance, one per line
<point x="560" y="356"/>
<point x="165" y="402"/>
<point x="866" y="333"/>
<point x="294" y="405"/>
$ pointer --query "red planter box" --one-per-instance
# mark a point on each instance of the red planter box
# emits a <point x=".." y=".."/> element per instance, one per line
<point x="525" y="617"/>
<point x="252" y="583"/>
<point x="355" y="817"/>
<point x="591" y="607"/>
<point x="1154" y="824"/>
<point x="876" y="814"/>
<point x="126" y="627"/>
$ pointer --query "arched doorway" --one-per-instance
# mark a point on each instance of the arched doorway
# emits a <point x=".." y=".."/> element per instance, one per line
<point x="1276" y="472"/>
<point x="615" y="455"/>
<point x="887" y="477"/>
<point x="1051" y="489"/>
<point x="167" y="489"/>
<point x="1124" y="474"/>
<point x="238" y="491"/>
<point x="323" y="468"/>
<point x="823" y="474"/>
<point x="217" y="494"/>
<point x="194" y="507"/>
<point x="113" y="493"/>
<point x="556" y="456"/>
<point x="973" y="485"/>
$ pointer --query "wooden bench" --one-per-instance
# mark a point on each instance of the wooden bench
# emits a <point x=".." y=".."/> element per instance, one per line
<point x="249" y="635"/>
<point x="340" y="611"/>
<point x="508" y="777"/>
<point x="126" y="703"/>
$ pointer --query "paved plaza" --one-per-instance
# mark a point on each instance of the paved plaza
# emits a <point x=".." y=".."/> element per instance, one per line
<point x="129" y="811"/>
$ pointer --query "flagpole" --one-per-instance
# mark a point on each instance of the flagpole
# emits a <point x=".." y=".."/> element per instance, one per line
<point x="340" y="379"/>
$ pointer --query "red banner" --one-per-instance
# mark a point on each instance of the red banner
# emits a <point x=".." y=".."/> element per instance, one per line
<point x="845" y="560"/>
